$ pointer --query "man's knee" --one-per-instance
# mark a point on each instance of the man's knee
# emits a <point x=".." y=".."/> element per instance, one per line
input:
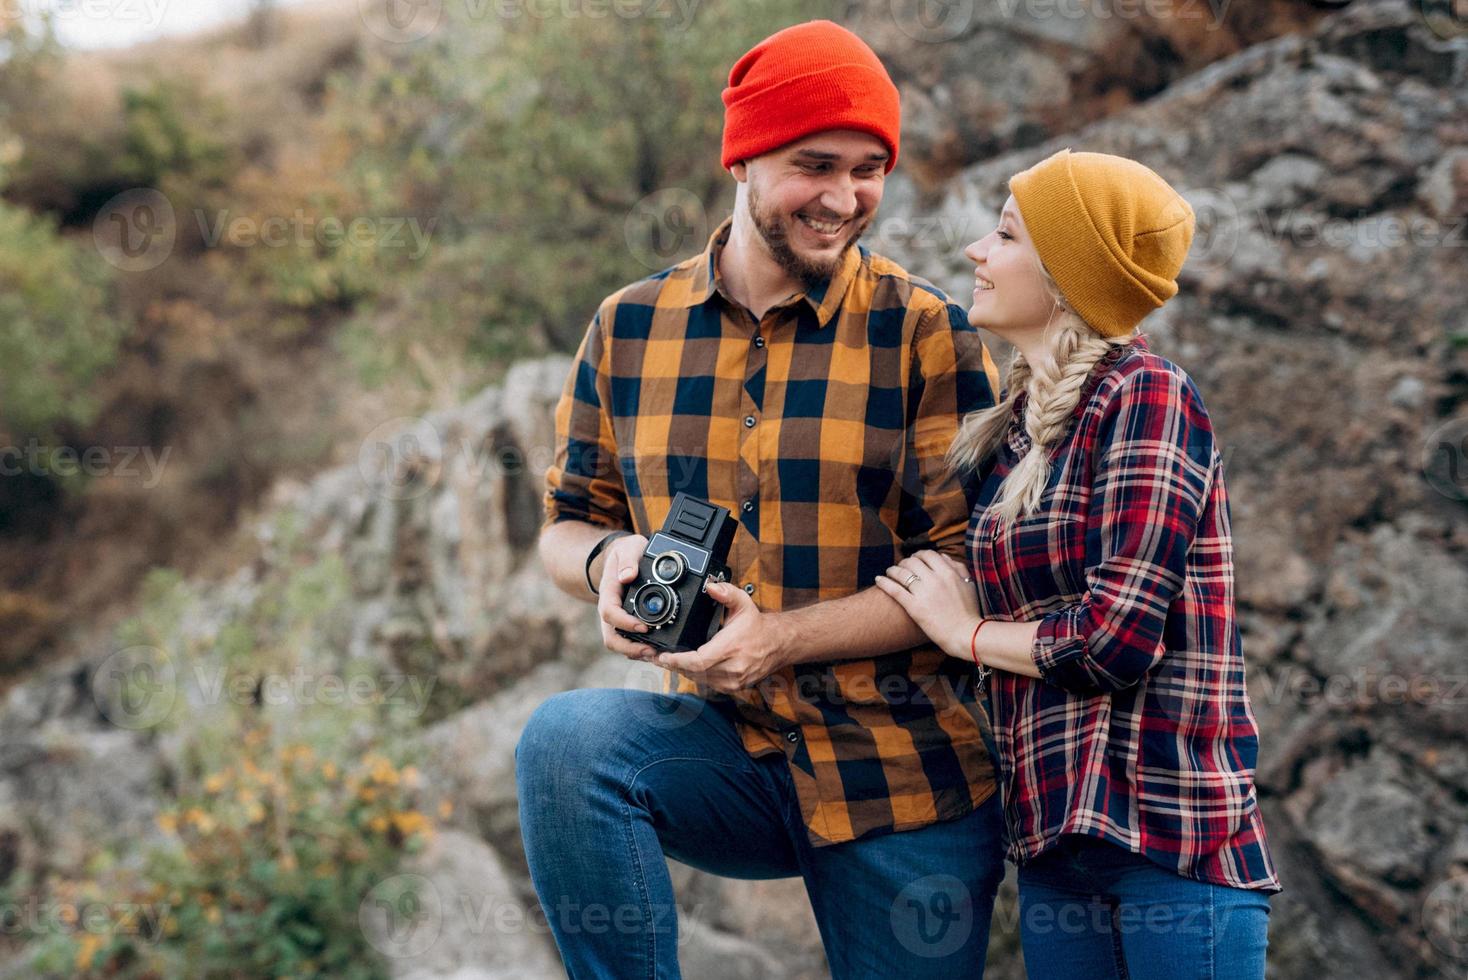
<point x="562" y="734"/>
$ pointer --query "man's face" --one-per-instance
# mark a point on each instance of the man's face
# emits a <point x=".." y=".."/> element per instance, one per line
<point x="812" y="199"/>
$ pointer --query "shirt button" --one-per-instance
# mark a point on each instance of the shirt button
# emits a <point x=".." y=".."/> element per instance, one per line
<point x="759" y="341"/>
<point x="749" y="421"/>
<point x="792" y="737"/>
<point x="749" y="588"/>
<point x="748" y="506"/>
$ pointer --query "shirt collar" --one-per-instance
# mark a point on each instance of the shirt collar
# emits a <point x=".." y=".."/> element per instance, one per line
<point x="825" y="299"/>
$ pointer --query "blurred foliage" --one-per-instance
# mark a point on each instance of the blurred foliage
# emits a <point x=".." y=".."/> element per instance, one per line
<point x="536" y="142"/>
<point x="309" y="234"/>
<point x="59" y="334"/>
<point x="285" y="813"/>
<point x="170" y="130"/>
<point x="55" y="295"/>
<point x="268" y="862"/>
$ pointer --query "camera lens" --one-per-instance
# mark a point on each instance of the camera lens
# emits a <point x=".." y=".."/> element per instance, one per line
<point x="655" y="604"/>
<point x="668" y="567"/>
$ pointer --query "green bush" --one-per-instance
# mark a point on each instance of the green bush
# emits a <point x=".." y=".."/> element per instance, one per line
<point x="59" y="334"/>
<point x="169" y="130"/>
<point x="279" y="819"/>
<point x="269" y="859"/>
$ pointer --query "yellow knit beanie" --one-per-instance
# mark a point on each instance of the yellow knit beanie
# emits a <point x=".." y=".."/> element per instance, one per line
<point x="1111" y="232"/>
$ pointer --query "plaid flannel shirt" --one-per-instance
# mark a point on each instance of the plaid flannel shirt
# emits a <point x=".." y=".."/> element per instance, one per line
<point x="822" y="428"/>
<point x="1140" y="731"/>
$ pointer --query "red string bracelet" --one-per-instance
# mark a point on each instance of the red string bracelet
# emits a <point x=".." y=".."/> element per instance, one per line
<point x="973" y="642"/>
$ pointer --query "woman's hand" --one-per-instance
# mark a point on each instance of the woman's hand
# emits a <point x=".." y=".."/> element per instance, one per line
<point x="938" y="594"/>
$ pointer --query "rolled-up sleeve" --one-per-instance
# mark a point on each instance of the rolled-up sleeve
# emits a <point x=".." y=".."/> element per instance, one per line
<point x="951" y="376"/>
<point x="585" y="483"/>
<point x="1154" y="462"/>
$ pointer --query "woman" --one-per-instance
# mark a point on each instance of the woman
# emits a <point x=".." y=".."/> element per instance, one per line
<point x="1101" y="609"/>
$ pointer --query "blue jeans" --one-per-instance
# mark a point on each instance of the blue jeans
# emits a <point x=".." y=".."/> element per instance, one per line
<point x="1092" y="910"/>
<point x="612" y="780"/>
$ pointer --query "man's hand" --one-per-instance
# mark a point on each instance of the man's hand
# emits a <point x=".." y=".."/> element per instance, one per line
<point x="939" y="595"/>
<point x="748" y="648"/>
<point x="619" y="566"/>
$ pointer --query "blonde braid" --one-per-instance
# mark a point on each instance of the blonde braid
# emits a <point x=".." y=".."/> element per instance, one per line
<point x="1053" y="389"/>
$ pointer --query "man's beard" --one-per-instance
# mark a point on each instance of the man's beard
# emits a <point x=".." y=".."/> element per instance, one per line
<point x="810" y="272"/>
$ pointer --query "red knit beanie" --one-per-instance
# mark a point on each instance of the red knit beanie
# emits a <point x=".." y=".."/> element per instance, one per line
<point x="807" y="79"/>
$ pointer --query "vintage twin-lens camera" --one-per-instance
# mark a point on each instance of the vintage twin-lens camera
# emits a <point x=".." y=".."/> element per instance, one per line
<point x="668" y="594"/>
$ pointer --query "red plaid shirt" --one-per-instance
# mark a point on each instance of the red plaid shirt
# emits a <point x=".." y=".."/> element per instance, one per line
<point x="1140" y="731"/>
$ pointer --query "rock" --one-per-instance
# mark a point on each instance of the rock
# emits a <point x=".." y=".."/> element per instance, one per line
<point x="465" y="921"/>
<point x="1408" y="393"/>
<point x="1375" y="800"/>
<point x="982" y="77"/>
<point x="1393" y="625"/>
<point x="469" y="757"/>
<point x="706" y="952"/>
<point x="68" y="778"/>
<point x="1444" y="191"/>
<point x="776" y="911"/>
<point x="1307" y="938"/>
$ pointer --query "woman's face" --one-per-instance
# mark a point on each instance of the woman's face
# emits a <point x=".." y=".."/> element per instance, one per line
<point x="1010" y="294"/>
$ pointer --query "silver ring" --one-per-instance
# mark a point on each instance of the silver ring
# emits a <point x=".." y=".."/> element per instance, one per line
<point x="908" y="584"/>
<point x="968" y="581"/>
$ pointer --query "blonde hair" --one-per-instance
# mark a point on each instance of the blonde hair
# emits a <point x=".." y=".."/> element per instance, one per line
<point x="1054" y="388"/>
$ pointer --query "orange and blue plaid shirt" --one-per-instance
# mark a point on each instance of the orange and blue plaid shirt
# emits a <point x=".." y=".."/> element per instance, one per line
<point x="1139" y="730"/>
<point x="822" y="427"/>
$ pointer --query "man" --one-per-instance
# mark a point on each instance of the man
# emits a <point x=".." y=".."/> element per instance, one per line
<point x="812" y="388"/>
